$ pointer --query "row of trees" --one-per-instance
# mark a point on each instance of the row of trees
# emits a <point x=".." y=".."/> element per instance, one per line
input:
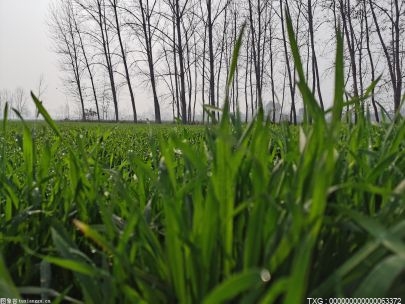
<point x="181" y="51"/>
<point x="18" y="98"/>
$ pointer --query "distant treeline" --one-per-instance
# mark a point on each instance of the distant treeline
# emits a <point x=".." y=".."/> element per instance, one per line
<point x="181" y="52"/>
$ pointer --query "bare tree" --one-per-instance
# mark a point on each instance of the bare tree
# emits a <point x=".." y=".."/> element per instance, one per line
<point x="390" y="13"/>
<point x="67" y="47"/>
<point x="20" y="101"/>
<point x="213" y="13"/>
<point x="316" y="84"/>
<point x="257" y="34"/>
<point x="97" y="11"/>
<point x="349" y="33"/>
<point x="88" y="64"/>
<point x="271" y="61"/>
<point x="114" y="5"/>
<point x="178" y="12"/>
<point x="5" y="97"/>
<point x="41" y="89"/>
<point x="143" y="15"/>
<point x="182" y="51"/>
<point x="370" y="56"/>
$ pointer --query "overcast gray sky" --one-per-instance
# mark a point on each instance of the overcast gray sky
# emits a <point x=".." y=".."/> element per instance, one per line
<point x="26" y="51"/>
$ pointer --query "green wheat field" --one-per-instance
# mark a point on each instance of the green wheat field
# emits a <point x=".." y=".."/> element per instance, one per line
<point x="226" y="213"/>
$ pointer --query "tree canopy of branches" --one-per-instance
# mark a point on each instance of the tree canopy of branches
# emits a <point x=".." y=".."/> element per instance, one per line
<point x="177" y="53"/>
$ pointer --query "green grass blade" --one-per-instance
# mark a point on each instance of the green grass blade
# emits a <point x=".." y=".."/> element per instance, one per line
<point x="374" y="228"/>
<point x="7" y="287"/>
<point x="307" y="95"/>
<point x="5" y="117"/>
<point x="232" y="70"/>
<point x="235" y="56"/>
<point x="353" y="262"/>
<point x="93" y="235"/>
<point x="45" y="115"/>
<point x="234" y="286"/>
<point x="72" y="265"/>
<point x="275" y="291"/>
<point x="339" y="79"/>
<point x="77" y="262"/>
<point x="380" y="279"/>
<point x="28" y="150"/>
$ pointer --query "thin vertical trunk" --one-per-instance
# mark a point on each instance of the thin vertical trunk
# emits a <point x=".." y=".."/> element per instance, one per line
<point x="263" y="44"/>
<point x="246" y="81"/>
<point x="283" y="94"/>
<point x="315" y="69"/>
<point x="392" y="68"/>
<point x="107" y="55"/>
<point x="189" y="78"/>
<point x="252" y="105"/>
<point x="124" y="59"/>
<point x="359" y="43"/>
<point x="93" y="87"/>
<point x="352" y="49"/>
<point x="156" y="104"/>
<point x="224" y="34"/>
<point x="176" y="73"/>
<point x="74" y="56"/>
<point x="146" y="28"/>
<point x="256" y="49"/>
<point x="203" y="74"/>
<point x="181" y="62"/>
<point x="171" y="87"/>
<point x="370" y="56"/>
<point x="211" y="53"/>
<point x="293" y="114"/>
<point x="345" y="11"/>
<point x="195" y="77"/>
<point x="79" y="88"/>
<point x="273" y="93"/>
<point x="234" y="37"/>
<point x="227" y="64"/>
<point x="398" y="91"/>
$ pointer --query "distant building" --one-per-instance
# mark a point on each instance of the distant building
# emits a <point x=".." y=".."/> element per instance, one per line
<point x="300" y="115"/>
<point x="273" y="110"/>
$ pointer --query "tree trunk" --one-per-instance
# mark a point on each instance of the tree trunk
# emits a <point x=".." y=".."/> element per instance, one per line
<point x="93" y="87"/>
<point x="181" y="63"/>
<point x="124" y="60"/>
<point x="107" y="55"/>
<point x="392" y="68"/>
<point x="211" y="53"/>
<point x="293" y="114"/>
<point x="315" y="69"/>
<point x="146" y="28"/>
<point x="256" y="50"/>
<point x="370" y="56"/>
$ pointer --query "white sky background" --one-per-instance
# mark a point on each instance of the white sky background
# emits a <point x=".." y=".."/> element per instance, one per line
<point x="26" y="51"/>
